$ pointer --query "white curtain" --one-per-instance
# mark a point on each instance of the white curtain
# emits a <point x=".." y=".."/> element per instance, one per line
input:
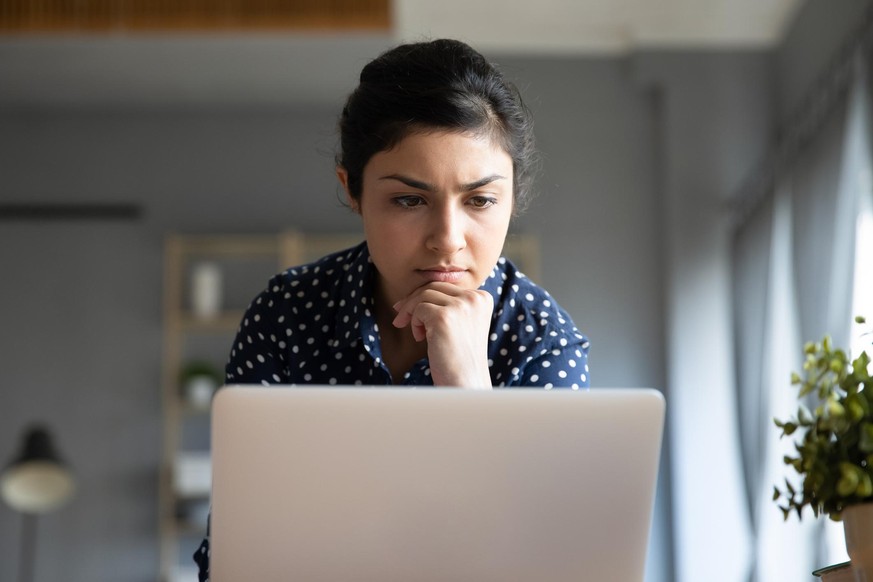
<point x="794" y="273"/>
<point x="846" y="274"/>
<point x="777" y="540"/>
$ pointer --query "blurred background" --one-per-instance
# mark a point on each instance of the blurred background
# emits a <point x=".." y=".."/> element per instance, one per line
<point x="672" y="132"/>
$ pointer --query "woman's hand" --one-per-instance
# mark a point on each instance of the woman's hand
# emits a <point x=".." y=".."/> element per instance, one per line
<point x="455" y="323"/>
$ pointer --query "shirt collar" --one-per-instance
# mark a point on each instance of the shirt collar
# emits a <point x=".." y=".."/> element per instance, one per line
<point x="494" y="283"/>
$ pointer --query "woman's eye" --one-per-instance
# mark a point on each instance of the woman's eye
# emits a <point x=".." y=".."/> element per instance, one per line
<point x="408" y="201"/>
<point x="482" y="201"/>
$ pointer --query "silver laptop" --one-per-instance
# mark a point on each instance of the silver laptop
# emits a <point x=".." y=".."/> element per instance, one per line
<point x="432" y="484"/>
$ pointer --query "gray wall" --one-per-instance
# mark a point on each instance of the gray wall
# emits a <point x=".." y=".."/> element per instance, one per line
<point x="239" y="170"/>
<point x="80" y="301"/>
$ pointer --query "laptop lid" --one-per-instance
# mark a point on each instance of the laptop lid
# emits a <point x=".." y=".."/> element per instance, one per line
<point x="432" y="484"/>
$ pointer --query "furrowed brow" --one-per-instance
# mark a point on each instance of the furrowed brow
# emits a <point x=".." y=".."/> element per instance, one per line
<point x="482" y="182"/>
<point x="411" y="182"/>
<point x="419" y="185"/>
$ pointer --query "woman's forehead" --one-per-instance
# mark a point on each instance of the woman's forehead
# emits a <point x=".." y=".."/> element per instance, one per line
<point x="441" y="151"/>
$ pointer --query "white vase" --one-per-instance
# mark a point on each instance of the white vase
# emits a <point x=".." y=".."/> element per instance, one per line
<point x="206" y="290"/>
<point x="858" y="527"/>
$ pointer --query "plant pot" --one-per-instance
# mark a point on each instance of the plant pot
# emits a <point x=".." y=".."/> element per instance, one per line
<point x="858" y="527"/>
<point x="199" y="390"/>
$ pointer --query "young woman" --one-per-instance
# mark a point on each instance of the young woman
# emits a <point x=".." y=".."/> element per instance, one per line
<point x="436" y="156"/>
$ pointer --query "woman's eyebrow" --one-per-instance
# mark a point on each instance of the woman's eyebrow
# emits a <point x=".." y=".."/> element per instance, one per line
<point x="412" y="183"/>
<point x="419" y="185"/>
<point x="482" y="182"/>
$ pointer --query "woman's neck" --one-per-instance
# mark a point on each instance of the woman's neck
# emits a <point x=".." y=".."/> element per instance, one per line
<point x="399" y="348"/>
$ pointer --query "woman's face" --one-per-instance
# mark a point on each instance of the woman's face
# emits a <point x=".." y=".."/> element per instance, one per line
<point x="436" y="207"/>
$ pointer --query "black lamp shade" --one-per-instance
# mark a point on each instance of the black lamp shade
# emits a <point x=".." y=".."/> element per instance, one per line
<point x="37" y="480"/>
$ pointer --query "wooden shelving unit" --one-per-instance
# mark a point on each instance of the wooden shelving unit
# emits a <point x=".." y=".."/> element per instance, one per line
<point x="183" y="510"/>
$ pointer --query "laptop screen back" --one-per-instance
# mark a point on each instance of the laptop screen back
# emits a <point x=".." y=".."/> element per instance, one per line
<point x="398" y="484"/>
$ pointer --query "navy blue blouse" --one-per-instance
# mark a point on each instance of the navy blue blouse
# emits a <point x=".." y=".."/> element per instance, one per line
<point x="315" y="324"/>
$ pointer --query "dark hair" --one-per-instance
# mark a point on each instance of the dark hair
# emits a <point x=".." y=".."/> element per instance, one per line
<point x="441" y="84"/>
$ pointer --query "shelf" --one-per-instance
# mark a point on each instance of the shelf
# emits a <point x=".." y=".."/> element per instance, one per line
<point x="183" y="498"/>
<point x="227" y="322"/>
<point x="194" y="410"/>
<point x="187" y="529"/>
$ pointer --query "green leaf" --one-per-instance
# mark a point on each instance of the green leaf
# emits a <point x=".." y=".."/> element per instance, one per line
<point x="803" y="416"/>
<point x="849" y="480"/>
<point x="854" y="408"/>
<point x="860" y="319"/>
<point x="776" y="493"/>
<point x="865" y="487"/>
<point x="795" y="378"/>
<point x="859" y="366"/>
<point x="865" y="442"/>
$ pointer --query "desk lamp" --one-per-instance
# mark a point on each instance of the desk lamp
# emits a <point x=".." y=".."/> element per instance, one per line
<point x="37" y="481"/>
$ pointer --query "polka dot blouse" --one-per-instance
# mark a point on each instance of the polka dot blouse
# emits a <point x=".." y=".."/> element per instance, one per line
<point x="315" y="324"/>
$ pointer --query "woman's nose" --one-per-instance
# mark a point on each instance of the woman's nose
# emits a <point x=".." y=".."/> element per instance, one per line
<point x="447" y="231"/>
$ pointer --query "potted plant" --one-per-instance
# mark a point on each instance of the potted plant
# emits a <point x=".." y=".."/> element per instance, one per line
<point x="835" y="452"/>
<point x="199" y="380"/>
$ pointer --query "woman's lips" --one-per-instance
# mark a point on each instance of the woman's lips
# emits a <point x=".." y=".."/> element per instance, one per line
<point x="442" y="275"/>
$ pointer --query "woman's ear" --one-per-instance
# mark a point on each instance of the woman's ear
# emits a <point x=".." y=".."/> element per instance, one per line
<point x="343" y="176"/>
